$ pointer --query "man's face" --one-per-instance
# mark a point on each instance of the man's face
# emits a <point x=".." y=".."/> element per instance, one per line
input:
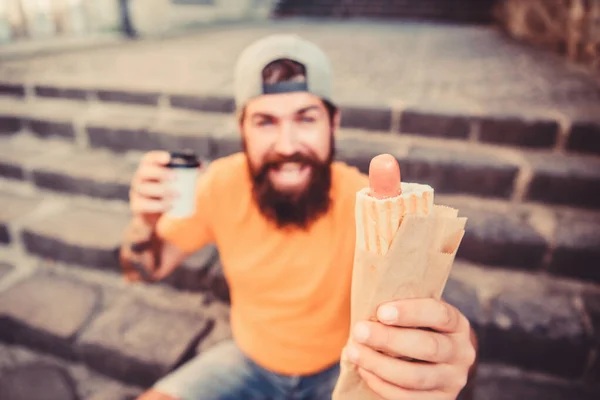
<point x="287" y="132"/>
<point x="288" y="140"/>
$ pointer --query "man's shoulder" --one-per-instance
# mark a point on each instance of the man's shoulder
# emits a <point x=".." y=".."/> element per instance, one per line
<point x="349" y="178"/>
<point x="231" y="166"/>
<point x="227" y="163"/>
<point x="227" y="171"/>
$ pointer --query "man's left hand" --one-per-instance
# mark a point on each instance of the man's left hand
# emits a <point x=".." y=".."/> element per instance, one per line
<point x="441" y="355"/>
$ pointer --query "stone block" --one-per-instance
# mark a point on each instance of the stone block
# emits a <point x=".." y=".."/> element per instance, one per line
<point x="60" y="92"/>
<point x="12" y="89"/>
<point x="5" y="269"/>
<point x="45" y="128"/>
<point x="120" y="129"/>
<point x="89" y="384"/>
<point x="63" y="182"/>
<point x="10" y="124"/>
<point x="37" y="382"/>
<point x="10" y="163"/>
<point x="47" y="312"/>
<point x="53" y="118"/>
<point x="430" y="122"/>
<point x="565" y="180"/>
<point x="542" y="331"/>
<point x="222" y="104"/>
<point x="11" y="171"/>
<point x="21" y="152"/>
<point x="359" y="149"/>
<point x="78" y="236"/>
<point x="129" y="97"/>
<point x="584" y="137"/>
<point x="501" y="239"/>
<point x="195" y="132"/>
<point x="12" y="208"/>
<point x="577" y="249"/>
<point x="519" y="131"/>
<point x="138" y="344"/>
<point x="117" y="139"/>
<point x="452" y="171"/>
<point x="87" y="172"/>
<point x="368" y="118"/>
<point x="145" y="133"/>
<point x="497" y="382"/>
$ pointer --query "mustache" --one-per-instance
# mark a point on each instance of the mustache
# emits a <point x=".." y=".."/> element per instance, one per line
<point x="276" y="160"/>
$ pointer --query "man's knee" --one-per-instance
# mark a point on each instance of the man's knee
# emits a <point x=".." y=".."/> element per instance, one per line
<point x="154" y="395"/>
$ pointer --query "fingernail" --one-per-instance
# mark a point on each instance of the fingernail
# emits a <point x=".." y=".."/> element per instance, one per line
<point x="351" y="353"/>
<point x="387" y="314"/>
<point x="361" y="332"/>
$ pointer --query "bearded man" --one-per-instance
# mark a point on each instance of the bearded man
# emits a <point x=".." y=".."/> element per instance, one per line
<point x="282" y="216"/>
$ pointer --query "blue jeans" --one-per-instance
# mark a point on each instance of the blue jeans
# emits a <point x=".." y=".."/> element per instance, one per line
<point x="225" y="373"/>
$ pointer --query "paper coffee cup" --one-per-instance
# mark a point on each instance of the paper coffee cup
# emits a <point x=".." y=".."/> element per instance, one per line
<point x="185" y="165"/>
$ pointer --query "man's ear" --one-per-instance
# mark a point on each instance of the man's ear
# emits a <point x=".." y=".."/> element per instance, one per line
<point x="337" y="119"/>
<point x="239" y="117"/>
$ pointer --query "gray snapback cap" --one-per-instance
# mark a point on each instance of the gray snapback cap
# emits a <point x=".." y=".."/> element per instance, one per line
<point x="248" y="82"/>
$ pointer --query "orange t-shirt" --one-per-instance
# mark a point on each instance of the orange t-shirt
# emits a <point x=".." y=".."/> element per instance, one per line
<point x="290" y="289"/>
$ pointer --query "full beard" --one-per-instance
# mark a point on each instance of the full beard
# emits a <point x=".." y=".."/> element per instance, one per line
<point x="293" y="209"/>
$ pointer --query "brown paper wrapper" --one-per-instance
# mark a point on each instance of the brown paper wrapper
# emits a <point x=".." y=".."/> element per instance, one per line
<point x="416" y="265"/>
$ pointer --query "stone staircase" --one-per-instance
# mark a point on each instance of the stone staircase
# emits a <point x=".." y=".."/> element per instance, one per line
<point x="456" y="106"/>
<point x="461" y="11"/>
<point x="526" y="276"/>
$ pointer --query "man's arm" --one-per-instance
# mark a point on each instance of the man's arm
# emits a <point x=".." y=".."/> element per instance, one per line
<point x="144" y="255"/>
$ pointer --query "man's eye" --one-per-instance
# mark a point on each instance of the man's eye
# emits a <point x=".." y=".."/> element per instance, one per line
<point x="264" y="122"/>
<point x="307" y="119"/>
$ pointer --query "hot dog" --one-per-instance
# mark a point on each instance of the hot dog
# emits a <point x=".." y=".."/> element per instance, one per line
<point x="381" y="207"/>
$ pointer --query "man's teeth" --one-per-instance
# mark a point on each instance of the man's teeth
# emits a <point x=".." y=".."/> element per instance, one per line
<point x="290" y="167"/>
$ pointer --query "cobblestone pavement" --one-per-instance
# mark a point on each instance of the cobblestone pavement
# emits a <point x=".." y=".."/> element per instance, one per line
<point x="374" y="63"/>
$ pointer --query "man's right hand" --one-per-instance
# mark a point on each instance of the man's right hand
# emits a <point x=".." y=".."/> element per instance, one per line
<point x="150" y="195"/>
<point x="144" y="256"/>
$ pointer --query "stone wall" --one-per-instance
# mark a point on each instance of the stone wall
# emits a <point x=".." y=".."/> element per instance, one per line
<point x="156" y="17"/>
<point x="571" y="27"/>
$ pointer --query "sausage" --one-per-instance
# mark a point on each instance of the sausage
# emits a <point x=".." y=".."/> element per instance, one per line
<point x="384" y="177"/>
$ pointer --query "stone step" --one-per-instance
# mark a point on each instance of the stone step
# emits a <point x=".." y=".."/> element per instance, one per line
<point x="87" y="232"/>
<point x="136" y="333"/>
<point x="451" y="166"/>
<point x="572" y="129"/>
<point x="499" y="382"/>
<point x="525" y="235"/>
